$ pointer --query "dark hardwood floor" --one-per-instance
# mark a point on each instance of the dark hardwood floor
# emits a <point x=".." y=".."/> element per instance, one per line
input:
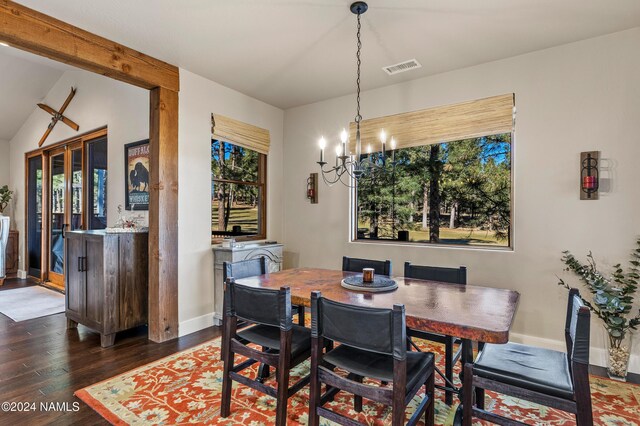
<point x="42" y="361"/>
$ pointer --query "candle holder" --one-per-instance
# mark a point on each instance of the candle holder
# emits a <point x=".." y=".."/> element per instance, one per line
<point x="367" y="275"/>
<point x="589" y="175"/>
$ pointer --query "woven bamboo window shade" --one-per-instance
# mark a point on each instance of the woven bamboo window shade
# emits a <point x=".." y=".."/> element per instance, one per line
<point x="472" y="119"/>
<point x="239" y="133"/>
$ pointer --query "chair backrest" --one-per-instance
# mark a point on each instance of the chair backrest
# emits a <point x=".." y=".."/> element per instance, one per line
<point x="577" y="329"/>
<point x="371" y="329"/>
<point x="244" y="268"/>
<point x="354" y="264"/>
<point x="258" y="305"/>
<point x="436" y="273"/>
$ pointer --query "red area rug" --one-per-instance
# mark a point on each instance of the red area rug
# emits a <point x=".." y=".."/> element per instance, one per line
<point x="185" y="388"/>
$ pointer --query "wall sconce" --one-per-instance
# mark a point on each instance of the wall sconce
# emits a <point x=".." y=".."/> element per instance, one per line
<point x="312" y="188"/>
<point x="589" y="175"/>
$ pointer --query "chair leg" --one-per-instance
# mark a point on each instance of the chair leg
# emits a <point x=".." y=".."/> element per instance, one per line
<point x="263" y="370"/>
<point x="315" y="389"/>
<point x="357" y="399"/>
<point x="301" y="315"/>
<point x="584" y="414"/>
<point x="448" y="369"/>
<point x="430" y="415"/>
<point x="467" y="398"/>
<point x="283" y="396"/>
<point x="479" y="398"/>
<point x="398" y="405"/>
<point x="225" y="406"/>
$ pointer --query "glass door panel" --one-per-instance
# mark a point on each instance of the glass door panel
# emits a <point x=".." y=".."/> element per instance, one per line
<point x="97" y="184"/>
<point x="34" y="220"/>
<point x="76" y="189"/>
<point x="57" y="209"/>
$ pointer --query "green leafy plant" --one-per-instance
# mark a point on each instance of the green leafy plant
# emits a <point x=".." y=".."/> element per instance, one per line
<point x="612" y="296"/>
<point x="5" y="197"/>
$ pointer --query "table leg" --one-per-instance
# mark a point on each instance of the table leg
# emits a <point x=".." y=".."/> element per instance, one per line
<point x="466" y="357"/>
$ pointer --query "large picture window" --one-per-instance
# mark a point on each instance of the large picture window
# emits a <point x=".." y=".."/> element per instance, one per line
<point x="455" y="193"/>
<point x="238" y="189"/>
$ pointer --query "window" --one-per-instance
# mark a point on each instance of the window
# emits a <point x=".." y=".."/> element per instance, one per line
<point x="238" y="189"/>
<point x="456" y="193"/>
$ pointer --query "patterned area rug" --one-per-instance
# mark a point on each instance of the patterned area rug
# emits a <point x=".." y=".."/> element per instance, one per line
<point x="185" y="388"/>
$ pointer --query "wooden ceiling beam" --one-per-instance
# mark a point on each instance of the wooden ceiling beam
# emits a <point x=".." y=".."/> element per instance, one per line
<point x="43" y="35"/>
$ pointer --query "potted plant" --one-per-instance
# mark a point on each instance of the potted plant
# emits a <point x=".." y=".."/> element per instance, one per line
<point x="5" y="198"/>
<point x="612" y="301"/>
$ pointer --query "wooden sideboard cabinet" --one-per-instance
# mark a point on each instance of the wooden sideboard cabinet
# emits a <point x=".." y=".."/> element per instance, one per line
<point x="272" y="252"/>
<point x="106" y="281"/>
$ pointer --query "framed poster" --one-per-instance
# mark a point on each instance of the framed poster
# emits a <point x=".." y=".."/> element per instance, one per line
<point x="136" y="170"/>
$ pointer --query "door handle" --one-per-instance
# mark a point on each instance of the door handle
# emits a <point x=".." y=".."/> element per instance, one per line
<point x="79" y="264"/>
<point x="84" y="264"/>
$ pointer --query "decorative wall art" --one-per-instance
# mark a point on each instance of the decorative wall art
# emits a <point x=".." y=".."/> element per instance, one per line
<point x="136" y="157"/>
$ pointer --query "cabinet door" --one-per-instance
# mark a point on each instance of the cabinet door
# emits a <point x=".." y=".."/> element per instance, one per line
<point x="75" y="276"/>
<point x="95" y="281"/>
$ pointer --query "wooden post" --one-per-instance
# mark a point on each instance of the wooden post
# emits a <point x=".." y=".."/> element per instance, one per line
<point x="163" y="216"/>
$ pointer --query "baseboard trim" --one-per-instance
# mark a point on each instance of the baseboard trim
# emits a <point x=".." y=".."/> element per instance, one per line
<point x="198" y="323"/>
<point x="597" y="356"/>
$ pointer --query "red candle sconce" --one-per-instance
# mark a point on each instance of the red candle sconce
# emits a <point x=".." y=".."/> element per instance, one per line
<point x="312" y="188"/>
<point x="589" y="175"/>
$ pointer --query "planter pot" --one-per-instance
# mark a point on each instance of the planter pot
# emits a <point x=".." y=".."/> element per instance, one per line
<point x="618" y="352"/>
<point x="4" y="236"/>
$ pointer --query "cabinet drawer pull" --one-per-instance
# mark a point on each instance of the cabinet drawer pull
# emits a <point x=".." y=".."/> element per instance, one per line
<point x="84" y="264"/>
<point x="79" y="264"/>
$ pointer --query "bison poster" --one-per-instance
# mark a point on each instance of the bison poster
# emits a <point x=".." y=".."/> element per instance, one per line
<point x="136" y="157"/>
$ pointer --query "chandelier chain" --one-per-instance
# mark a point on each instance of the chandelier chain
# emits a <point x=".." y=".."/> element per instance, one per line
<point x="358" y="116"/>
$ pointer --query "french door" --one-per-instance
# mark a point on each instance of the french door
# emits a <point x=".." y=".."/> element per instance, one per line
<point x="65" y="204"/>
<point x="66" y="190"/>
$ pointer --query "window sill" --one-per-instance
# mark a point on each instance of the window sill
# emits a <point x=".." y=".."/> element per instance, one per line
<point x="488" y="248"/>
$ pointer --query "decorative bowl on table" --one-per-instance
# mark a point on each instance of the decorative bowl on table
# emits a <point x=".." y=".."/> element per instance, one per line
<point x="380" y="283"/>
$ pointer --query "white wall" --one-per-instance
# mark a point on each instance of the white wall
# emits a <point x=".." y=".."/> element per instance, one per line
<point x="199" y="98"/>
<point x="577" y="97"/>
<point x="99" y="101"/>
<point x="4" y="162"/>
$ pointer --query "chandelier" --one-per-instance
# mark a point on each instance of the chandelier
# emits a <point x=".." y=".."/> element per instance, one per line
<point x="348" y="165"/>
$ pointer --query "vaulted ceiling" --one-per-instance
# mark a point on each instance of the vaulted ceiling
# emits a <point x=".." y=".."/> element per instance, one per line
<point x="294" y="52"/>
<point x="25" y="79"/>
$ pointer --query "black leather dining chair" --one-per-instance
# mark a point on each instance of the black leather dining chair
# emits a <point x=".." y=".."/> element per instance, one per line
<point x="556" y="379"/>
<point x="372" y="345"/>
<point x="354" y="264"/>
<point x="447" y="275"/>
<point x="284" y="344"/>
<point x="251" y="268"/>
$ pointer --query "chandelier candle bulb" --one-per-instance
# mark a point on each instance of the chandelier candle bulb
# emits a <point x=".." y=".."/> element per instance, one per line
<point x="338" y="150"/>
<point x="322" y="144"/>
<point x="393" y="150"/>
<point x="344" y="137"/>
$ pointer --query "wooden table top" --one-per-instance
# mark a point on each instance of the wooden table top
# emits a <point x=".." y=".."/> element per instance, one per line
<point x="470" y="312"/>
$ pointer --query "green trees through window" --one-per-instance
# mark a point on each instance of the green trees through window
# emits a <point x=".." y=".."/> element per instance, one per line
<point x="237" y="188"/>
<point x="449" y="193"/>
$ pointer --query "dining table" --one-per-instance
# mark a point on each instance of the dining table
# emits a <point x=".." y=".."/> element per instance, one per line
<point x="471" y="313"/>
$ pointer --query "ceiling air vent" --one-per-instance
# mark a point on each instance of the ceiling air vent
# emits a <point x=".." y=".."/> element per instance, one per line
<point x="409" y="65"/>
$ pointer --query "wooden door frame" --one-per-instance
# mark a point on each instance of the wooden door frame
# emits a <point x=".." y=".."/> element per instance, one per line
<point x="61" y="150"/>
<point x="35" y="32"/>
